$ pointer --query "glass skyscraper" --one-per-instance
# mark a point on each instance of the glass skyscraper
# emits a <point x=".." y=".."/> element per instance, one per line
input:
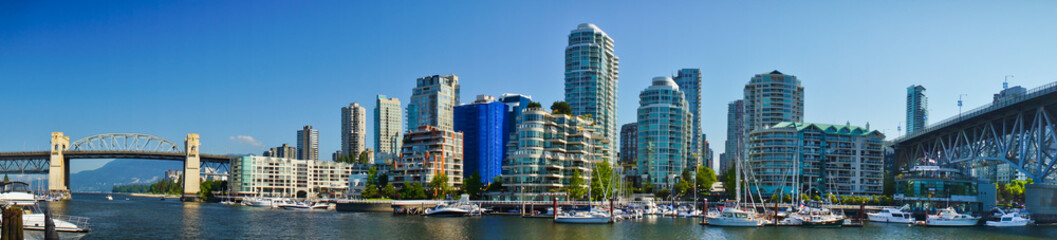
<point x="917" y="112"/>
<point x="388" y="125"/>
<point x="689" y="81"/>
<point x="664" y="133"/>
<point x="516" y="104"/>
<point x="432" y="101"/>
<point x="771" y="98"/>
<point x="591" y="71"/>
<point x="483" y="126"/>
<point x="735" y="130"/>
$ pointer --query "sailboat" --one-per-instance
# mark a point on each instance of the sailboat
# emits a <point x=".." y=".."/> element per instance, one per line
<point x="592" y="215"/>
<point x="732" y="214"/>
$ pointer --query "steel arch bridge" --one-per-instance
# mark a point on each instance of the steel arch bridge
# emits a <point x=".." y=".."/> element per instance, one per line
<point x="1019" y="132"/>
<point x="55" y="161"/>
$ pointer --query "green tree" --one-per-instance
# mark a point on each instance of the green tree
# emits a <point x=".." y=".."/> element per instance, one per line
<point x="729" y="179"/>
<point x="6" y="179"/>
<point x="370" y="191"/>
<point x="705" y="178"/>
<point x="496" y="185"/>
<point x="560" y="107"/>
<point x="372" y="176"/>
<point x="576" y="189"/>
<point x="602" y="182"/>
<point x="439" y="186"/>
<point x="363" y="158"/>
<point x="662" y="194"/>
<point x="534" y="105"/>
<point x="472" y="185"/>
<point x="389" y="191"/>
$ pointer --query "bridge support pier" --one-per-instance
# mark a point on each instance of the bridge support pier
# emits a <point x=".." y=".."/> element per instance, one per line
<point x="57" y="178"/>
<point x="192" y="165"/>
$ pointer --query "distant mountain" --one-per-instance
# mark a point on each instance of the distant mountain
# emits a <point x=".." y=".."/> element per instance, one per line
<point x="121" y="172"/>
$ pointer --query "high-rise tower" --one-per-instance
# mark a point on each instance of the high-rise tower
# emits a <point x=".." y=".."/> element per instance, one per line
<point x="771" y="98"/>
<point x="663" y="132"/>
<point x="432" y="101"/>
<point x="917" y="112"/>
<point x="353" y="129"/>
<point x="308" y="143"/>
<point x="689" y="81"/>
<point x="591" y="71"/>
<point x="388" y="124"/>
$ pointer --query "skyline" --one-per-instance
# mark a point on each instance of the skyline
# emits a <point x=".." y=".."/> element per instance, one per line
<point x="146" y="67"/>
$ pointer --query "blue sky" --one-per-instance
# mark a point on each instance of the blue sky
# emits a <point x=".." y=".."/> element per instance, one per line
<point x="265" y="68"/>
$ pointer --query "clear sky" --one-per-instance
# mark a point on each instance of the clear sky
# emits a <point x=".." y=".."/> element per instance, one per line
<point x="263" y="69"/>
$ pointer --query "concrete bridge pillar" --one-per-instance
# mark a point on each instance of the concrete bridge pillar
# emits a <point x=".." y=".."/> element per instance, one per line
<point x="57" y="169"/>
<point x="192" y="165"/>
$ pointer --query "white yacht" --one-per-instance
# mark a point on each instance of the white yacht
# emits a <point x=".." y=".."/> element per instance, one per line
<point x="258" y="202"/>
<point x="109" y="197"/>
<point x="734" y="217"/>
<point x="582" y="217"/>
<point x="17" y="193"/>
<point x="463" y="207"/>
<point x="947" y="217"/>
<point x="1010" y="219"/>
<point x="892" y="215"/>
<point x="33" y="219"/>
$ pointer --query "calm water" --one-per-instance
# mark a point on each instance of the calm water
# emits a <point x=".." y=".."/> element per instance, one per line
<point x="150" y="218"/>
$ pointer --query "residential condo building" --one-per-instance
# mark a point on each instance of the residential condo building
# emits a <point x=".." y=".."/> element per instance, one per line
<point x="917" y="108"/>
<point x="664" y="133"/>
<point x="286" y="177"/>
<point x="427" y="152"/>
<point x="432" y="102"/>
<point x="689" y="81"/>
<point x="308" y="143"/>
<point x="549" y="149"/>
<point x="284" y="151"/>
<point x="732" y="147"/>
<point x="353" y="129"/>
<point x="591" y="73"/>
<point x="483" y="127"/>
<point x="771" y="98"/>
<point x="628" y="138"/>
<point x="388" y="125"/>
<point x="792" y="157"/>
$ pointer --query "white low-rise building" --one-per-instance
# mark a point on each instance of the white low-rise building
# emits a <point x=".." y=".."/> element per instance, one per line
<point x="284" y="177"/>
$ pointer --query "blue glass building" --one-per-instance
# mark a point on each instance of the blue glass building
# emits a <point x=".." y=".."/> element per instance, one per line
<point x="483" y="125"/>
<point x="516" y="104"/>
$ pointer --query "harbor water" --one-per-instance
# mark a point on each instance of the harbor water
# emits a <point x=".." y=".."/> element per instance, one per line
<point x="151" y="218"/>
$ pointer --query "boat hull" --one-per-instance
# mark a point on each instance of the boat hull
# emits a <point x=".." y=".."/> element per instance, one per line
<point x="581" y="220"/>
<point x="448" y="212"/>
<point x="826" y="223"/>
<point x="1007" y="224"/>
<point x="724" y="222"/>
<point x="951" y="222"/>
<point x="888" y="219"/>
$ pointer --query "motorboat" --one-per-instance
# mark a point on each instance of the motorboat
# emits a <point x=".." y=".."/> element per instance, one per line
<point x="818" y="216"/>
<point x="892" y="215"/>
<point x="583" y="217"/>
<point x="17" y="193"/>
<point x="734" y="217"/>
<point x="258" y="202"/>
<point x="306" y="206"/>
<point x="33" y="219"/>
<point x="1010" y="219"/>
<point x="109" y="197"/>
<point x="947" y="217"/>
<point x="447" y="211"/>
<point x="460" y="208"/>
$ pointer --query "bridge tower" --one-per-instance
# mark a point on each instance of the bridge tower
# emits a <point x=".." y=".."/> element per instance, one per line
<point x="57" y="171"/>
<point x="192" y="165"/>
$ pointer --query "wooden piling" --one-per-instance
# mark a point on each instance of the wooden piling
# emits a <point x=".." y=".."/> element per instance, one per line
<point x="12" y="224"/>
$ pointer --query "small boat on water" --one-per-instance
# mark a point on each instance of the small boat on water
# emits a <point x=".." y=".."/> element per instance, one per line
<point x="258" y="202"/>
<point x="583" y="217"/>
<point x="305" y="206"/>
<point x="33" y="219"/>
<point x="892" y="215"/>
<point x="1011" y="219"/>
<point x="815" y="215"/>
<point x="947" y="217"/>
<point x="732" y="216"/>
<point x="109" y="197"/>
<point x="460" y="208"/>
